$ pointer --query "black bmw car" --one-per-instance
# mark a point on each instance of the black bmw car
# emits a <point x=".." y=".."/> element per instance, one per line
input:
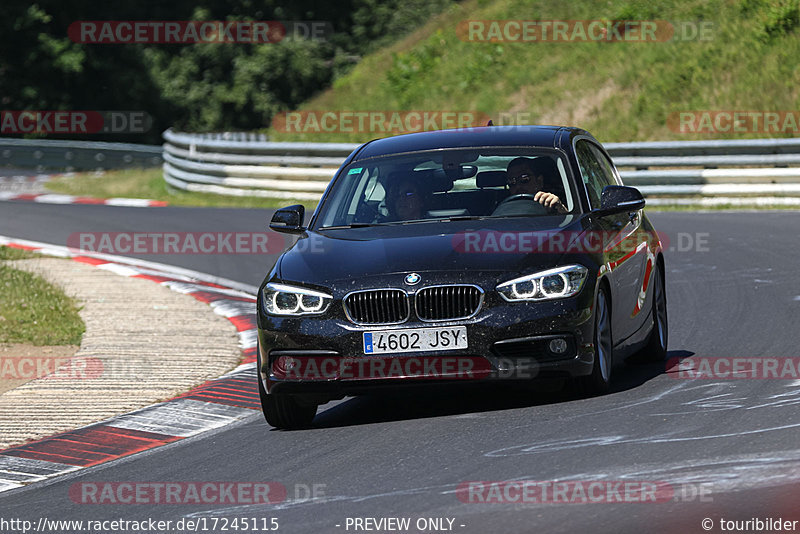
<point x="496" y="253"/>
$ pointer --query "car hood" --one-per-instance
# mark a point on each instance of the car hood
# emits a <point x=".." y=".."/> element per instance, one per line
<point x="472" y="248"/>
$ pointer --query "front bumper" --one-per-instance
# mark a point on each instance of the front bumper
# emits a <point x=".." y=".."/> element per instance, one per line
<point x="506" y="341"/>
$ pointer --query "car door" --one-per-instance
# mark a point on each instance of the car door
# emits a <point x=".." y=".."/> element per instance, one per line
<point x="624" y="252"/>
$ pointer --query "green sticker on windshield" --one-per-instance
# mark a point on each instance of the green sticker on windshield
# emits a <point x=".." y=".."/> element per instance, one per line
<point x="357" y="170"/>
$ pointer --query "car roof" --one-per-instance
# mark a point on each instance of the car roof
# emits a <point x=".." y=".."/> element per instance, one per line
<point x="536" y="136"/>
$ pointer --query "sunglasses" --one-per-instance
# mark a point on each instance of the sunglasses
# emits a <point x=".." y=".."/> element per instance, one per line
<point x="522" y="179"/>
<point x="404" y="195"/>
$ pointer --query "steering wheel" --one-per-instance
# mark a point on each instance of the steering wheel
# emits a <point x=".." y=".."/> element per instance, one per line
<point x="523" y="196"/>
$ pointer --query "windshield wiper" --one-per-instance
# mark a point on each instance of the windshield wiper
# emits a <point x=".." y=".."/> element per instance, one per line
<point x="410" y="221"/>
<point x="464" y="218"/>
<point x="351" y="225"/>
<point x="441" y="219"/>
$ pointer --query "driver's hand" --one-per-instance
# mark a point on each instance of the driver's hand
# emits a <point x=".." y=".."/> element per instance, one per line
<point x="549" y="200"/>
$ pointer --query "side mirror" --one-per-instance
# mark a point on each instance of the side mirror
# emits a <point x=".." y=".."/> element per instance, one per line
<point x="289" y="220"/>
<point x="619" y="199"/>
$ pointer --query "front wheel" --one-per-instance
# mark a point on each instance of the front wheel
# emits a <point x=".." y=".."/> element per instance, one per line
<point x="599" y="381"/>
<point x="287" y="411"/>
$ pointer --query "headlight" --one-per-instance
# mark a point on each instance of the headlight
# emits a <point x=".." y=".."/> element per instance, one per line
<point x="556" y="283"/>
<point x="280" y="299"/>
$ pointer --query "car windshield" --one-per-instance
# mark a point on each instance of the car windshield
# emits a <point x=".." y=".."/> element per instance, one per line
<point x="448" y="184"/>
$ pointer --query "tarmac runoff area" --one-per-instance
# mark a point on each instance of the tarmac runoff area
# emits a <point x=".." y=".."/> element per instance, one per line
<point x="143" y="344"/>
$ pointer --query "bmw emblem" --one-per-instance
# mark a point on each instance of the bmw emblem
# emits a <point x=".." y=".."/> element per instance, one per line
<point x="412" y="279"/>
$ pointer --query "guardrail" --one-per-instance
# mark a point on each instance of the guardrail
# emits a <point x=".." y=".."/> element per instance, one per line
<point x="216" y="164"/>
<point x="251" y="166"/>
<point x="46" y="154"/>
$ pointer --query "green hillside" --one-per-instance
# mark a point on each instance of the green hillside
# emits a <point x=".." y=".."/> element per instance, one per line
<point x="620" y="91"/>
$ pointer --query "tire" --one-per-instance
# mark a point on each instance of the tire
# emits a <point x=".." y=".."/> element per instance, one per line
<point x="656" y="348"/>
<point x="286" y="412"/>
<point x="599" y="381"/>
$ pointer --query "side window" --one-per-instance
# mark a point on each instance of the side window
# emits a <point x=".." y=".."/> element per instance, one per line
<point x="605" y="164"/>
<point x="595" y="170"/>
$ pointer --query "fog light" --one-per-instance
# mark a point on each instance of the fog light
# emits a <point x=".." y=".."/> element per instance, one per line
<point x="286" y="363"/>
<point x="558" y="346"/>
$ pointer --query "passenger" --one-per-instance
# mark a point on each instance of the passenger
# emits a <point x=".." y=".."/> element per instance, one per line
<point x="405" y="200"/>
<point x="528" y="176"/>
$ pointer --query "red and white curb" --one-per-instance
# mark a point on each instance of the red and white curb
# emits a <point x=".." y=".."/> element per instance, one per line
<point x="54" y="198"/>
<point x="211" y="405"/>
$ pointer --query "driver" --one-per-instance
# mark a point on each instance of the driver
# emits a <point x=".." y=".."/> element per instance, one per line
<point x="527" y="176"/>
<point x="405" y="200"/>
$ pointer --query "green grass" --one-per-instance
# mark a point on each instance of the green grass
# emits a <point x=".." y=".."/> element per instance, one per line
<point x="150" y="184"/>
<point x="11" y="253"/>
<point x="32" y="310"/>
<point x="620" y="91"/>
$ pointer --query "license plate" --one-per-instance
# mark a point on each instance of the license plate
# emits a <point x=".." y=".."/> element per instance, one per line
<point x="415" y="340"/>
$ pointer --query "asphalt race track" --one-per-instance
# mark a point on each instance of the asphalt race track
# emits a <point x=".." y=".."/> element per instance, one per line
<point x="734" y="292"/>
